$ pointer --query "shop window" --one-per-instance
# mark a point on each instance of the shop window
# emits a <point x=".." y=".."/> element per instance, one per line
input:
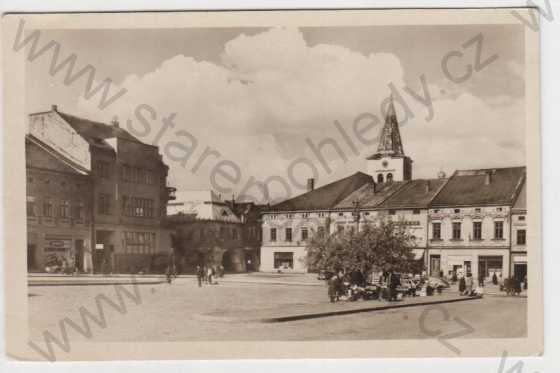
<point x="283" y="260"/>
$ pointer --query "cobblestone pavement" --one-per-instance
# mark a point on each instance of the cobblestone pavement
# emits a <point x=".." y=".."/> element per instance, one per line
<point x="184" y="312"/>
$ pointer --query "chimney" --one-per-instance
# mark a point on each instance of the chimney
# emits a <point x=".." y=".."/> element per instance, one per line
<point x="488" y="178"/>
<point x="54" y="107"/>
<point x="310" y="184"/>
<point x="428" y="186"/>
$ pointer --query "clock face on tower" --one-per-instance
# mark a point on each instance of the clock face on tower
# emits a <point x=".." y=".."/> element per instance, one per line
<point x="385" y="163"/>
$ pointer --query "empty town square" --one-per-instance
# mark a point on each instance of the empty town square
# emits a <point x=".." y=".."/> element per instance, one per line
<point x="244" y="307"/>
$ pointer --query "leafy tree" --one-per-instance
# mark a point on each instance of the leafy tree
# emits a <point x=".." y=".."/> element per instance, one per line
<point x="375" y="246"/>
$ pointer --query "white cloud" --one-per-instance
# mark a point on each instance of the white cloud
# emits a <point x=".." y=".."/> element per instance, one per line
<point x="271" y="91"/>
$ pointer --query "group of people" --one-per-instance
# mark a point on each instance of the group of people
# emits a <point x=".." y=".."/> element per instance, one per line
<point x="208" y="274"/>
<point x="352" y="285"/>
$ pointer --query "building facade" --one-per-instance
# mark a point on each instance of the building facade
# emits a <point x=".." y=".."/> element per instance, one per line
<point x="460" y="224"/>
<point x="207" y="232"/>
<point x="126" y="191"/>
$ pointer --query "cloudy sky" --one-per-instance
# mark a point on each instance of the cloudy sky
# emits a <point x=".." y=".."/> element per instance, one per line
<point x="261" y="99"/>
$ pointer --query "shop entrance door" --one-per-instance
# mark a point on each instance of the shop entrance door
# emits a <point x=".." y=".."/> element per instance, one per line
<point x="79" y="255"/>
<point x="435" y="265"/>
<point x="520" y="271"/>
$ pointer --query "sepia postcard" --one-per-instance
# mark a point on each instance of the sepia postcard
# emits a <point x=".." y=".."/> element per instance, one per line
<point x="272" y="184"/>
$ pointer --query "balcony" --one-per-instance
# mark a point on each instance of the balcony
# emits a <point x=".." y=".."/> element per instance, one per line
<point x="171" y="193"/>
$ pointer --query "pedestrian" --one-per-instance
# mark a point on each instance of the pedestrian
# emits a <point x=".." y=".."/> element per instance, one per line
<point x="481" y="279"/>
<point x="168" y="274"/>
<point x="221" y="269"/>
<point x="199" y="275"/>
<point x="469" y="282"/>
<point x="333" y="288"/>
<point x="462" y="285"/>
<point x="392" y="282"/>
<point x="495" y="279"/>
<point x="209" y="273"/>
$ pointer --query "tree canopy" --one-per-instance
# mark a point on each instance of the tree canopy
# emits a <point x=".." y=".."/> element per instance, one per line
<point x="381" y="246"/>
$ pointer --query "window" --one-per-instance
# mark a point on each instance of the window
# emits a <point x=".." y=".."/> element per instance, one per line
<point x="321" y="231"/>
<point x="392" y="212"/>
<point x="140" y="242"/>
<point x="79" y="210"/>
<point x="340" y="228"/>
<point x="273" y="234"/>
<point x="102" y="169"/>
<point x="380" y="178"/>
<point x="30" y="206"/>
<point x="477" y="210"/>
<point x="436" y="211"/>
<point x="283" y="260"/>
<point x="498" y="230"/>
<point x="389" y="177"/>
<point x="304" y="234"/>
<point x="436" y="231"/>
<point x="521" y="237"/>
<point x="456" y="231"/>
<point x="138" y="207"/>
<point x="416" y="211"/>
<point x="288" y="234"/>
<point x="64" y="209"/>
<point x="340" y="214"/>
<point x="104" y="204"/>
<point x="521" y="218"/>
<point x="477" y="230"/>
<point x="499" y="209"/>
<point x="48" y="207"/>
<point x="456" y="211"/>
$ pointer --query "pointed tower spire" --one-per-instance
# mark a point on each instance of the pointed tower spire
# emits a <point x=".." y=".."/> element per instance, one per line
<point x="390" y="142"/>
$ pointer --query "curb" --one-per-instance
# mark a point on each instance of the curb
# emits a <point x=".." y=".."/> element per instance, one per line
<point x="366" y="309"/>
<point x="99" y="283"/>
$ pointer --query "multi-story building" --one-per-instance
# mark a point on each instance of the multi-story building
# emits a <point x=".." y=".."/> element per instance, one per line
<point x="460" y="223"/>
<point x="470" y="222"/>
<point x="127" y="192"/>
<point x="519" y="236"/>
<point x="58" y="209"/>
<point x="206" y="231"/>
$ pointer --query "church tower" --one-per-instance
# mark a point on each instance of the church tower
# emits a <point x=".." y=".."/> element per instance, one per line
<point x="389" y="162"/>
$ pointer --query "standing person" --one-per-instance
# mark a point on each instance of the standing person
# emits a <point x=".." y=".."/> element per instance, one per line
<point x="168" y="273"/>
<point x="495" y="279"/>
<point x="209" y="273"/>
<point x="462" y="285"/>
<point x="199" y="275"/>
<point x="469" y="284"/>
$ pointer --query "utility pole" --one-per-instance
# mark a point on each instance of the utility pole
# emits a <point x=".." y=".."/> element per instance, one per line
<point x="356" y="204"/>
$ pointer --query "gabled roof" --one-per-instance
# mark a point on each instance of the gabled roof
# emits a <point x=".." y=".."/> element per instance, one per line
<point x="96" y="132"/>
<point x="57" y="161"/>
<point x="370" y="195"/>
<point x="325" y="197"/>
<point x="415" y="194"/>
<point x="493" y="186"/>
<point x="520" y="205"/>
